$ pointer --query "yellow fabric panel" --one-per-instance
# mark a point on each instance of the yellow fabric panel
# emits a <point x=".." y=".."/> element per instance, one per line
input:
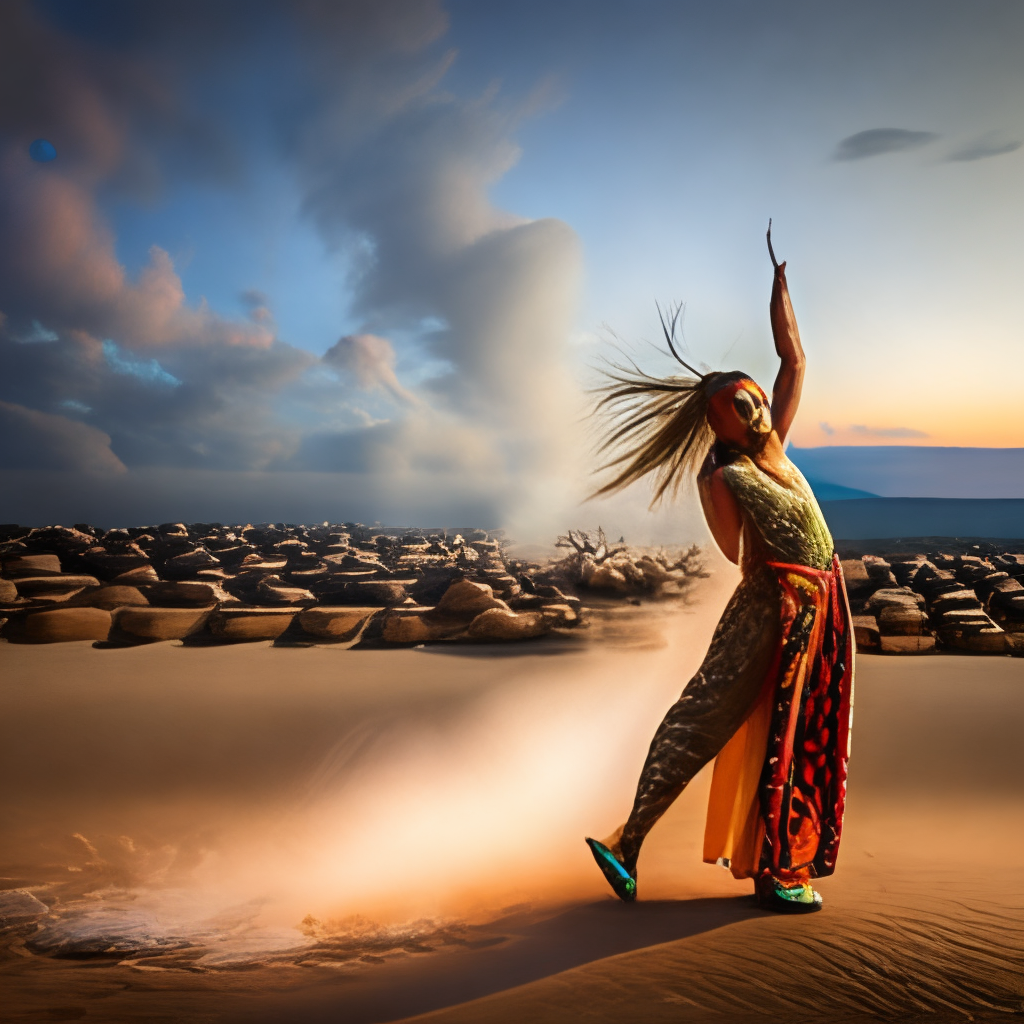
<point x="734" y="829"/>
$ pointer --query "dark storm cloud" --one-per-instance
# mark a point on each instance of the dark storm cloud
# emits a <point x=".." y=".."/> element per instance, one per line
<point x="983" y="148"/>
<point x="878" y="141"/>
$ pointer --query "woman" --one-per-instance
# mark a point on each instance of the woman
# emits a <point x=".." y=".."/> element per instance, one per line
<point x="772" y="700"/>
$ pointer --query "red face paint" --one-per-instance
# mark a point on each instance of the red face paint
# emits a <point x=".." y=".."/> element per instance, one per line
<point x="740" y="414"/>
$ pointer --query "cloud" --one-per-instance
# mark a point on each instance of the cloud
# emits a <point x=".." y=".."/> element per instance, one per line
<point x="392" y="169"/>
<point x="371" y="360"/>
<point x="893" y="432"/>
<point x="827" y="428"/>
<point x="877" y="141"/>
<point x="38" y="440"/>
<point x="987" y="146"/>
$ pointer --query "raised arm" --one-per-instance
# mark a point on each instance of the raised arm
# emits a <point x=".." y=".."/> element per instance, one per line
<point x="790" y="380"/>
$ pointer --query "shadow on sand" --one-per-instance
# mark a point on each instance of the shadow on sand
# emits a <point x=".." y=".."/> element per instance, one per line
<point x="524" y="947"/>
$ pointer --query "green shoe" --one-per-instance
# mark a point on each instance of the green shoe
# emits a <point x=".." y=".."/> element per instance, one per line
<point x="786" y="899"/>
<point x="622" y="882"/>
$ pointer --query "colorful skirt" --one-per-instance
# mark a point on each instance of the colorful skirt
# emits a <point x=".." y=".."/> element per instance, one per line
<point x="779" y="786"/>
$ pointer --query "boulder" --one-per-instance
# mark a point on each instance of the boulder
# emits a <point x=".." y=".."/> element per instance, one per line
<point x="342" y="623"/>
<point x="8" y="592"/>
<point x="183" y="566"/>
<point x="605" y="577"/>
<point x="112" y="561"/>
<point x="411" y="625"/>
<point x="176" y="593"/>
<point x="109" y="597"/>
<point x="560" y="616"/>
<point x="893" y="597"/>
<point x="879" y="571"/>
<point x="987" y="640"/>
<point x="32" y="565"/>
<point x="465" y="599"/>
<point x="866" y="633"/>
<point x="505" y="624"/>
<point x="273" y="590"/>
<point x="19" y="905"/>
<point x="133" y="577"/>
<point x="64" y="624"/>
<point x="377" y="593"/>
<point x="53" y="588"/>
<point x="900" y="620"/>
<point x="907" y="644"/>
<point x="250" y="623"/>
<point x="161" y="623"/>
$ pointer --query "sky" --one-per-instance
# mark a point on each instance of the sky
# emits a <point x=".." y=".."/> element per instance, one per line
<point x="358" y="260"/>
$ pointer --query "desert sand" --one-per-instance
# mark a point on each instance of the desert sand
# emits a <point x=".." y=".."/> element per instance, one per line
<point x="250" y="833"/>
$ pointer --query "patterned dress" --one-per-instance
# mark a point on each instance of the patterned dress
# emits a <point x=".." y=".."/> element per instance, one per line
<point x="772" y="699"/>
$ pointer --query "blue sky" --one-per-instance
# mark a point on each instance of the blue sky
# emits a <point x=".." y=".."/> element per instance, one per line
<point x="481" y="195"/>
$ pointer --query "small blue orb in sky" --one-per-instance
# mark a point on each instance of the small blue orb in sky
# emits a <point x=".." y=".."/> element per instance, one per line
<point x="42" y="151"/>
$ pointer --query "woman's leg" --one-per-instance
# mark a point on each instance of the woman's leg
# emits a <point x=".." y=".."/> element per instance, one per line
<point x="714" y="704"/>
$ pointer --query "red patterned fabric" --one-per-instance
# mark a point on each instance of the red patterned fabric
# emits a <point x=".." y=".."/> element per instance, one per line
<point x="803" y="784"/>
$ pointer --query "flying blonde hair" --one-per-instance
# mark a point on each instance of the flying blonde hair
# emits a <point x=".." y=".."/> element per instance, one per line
<point x="656" y="425"/>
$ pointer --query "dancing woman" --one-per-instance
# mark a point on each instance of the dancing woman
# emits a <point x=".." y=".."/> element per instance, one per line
<point x="773" y="698"/>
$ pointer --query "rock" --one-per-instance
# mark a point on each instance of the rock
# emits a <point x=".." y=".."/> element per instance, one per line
<point x="907" y="644"/>
<point x="376" y="593"/>
<point x="53" y="588"/>
<point x="161" y="623"/>
<point x="182" y="566"/>
<point x="879" y="571"/>
<point x="351" y="563"/>
<point x="988" y="640"/>
<point x="263" y="566"/>
<point x="109" y="597"/>
<point x="961" y="599"/>
<point x="560" y="616"/>
<point x="605" y="577"/>
<point x="335" y="623"/>
<point x="110" y="562"/>
<point x="893" y="597"/>
<point x="505" y="624"/>
<point x="250" y="623"/>
<point x="8" y="592"/>
<point x="178" y="593"/>
<point x="133" y="577"/>
<point x="465" y="599"/>
<point x="19" y="905"/>
<point x="900" y="620"/>
<point x="420" y="625"/>
<point x="274" y="591"/>
<point x="866" y="633"/>
<point x="65" y="624"/>
<point x="32" y="565"/>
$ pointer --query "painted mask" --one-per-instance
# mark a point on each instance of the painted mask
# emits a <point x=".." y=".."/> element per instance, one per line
<point x="739" y="413"/>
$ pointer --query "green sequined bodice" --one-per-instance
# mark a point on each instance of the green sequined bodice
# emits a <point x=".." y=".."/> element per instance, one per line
<point x="786" y="515"/>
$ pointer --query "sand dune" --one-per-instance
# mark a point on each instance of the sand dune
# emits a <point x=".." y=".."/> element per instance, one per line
<point x="221" y="794"/>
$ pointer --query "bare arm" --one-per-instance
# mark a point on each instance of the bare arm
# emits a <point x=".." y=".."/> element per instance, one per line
<point x="790" y="381"/>
<point x="722" y="511"/>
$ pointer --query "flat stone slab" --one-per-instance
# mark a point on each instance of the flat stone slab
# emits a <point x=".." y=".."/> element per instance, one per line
<point x="32" y="565"/>
<point x="63" y="624"/>
<point x="907" y="644"/>
<point x="53" y="586"/>
<point x="343" y="623"/>
<point x="420" y="625"/>
<point x="251" y="623"/>
<point x="162" y="623"/>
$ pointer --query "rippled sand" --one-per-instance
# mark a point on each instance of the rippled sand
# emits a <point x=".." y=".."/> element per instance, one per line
<point x="259" y="834"/>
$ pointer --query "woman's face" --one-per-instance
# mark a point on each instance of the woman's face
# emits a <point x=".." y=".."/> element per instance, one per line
<point x="740" y="415"/>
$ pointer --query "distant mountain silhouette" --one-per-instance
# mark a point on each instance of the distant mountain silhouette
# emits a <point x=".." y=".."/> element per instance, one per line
<point x="865" y="518"/>
<point x="923" y="471"/>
